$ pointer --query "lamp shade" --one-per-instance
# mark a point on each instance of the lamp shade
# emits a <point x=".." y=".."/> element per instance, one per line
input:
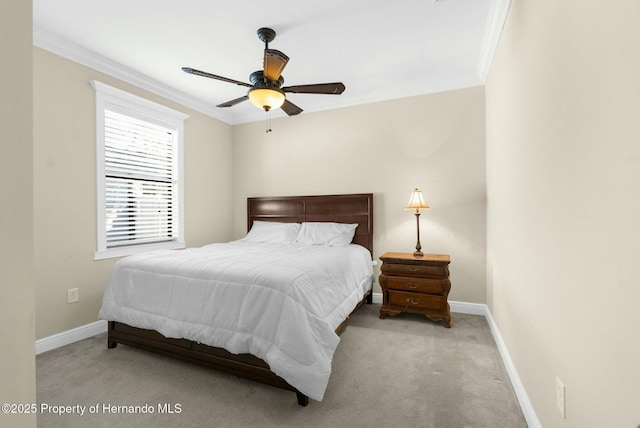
<point x="266" y="98"/>
<point x="416" y="202"/>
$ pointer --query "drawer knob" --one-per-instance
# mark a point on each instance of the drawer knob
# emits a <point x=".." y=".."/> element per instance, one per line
<point x="412" y="285"/>
<point x="413" y="269"/>
<point x="413" y="301"/>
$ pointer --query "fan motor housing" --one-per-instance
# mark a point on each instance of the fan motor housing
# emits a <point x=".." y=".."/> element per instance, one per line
<point x="257" y="80"/>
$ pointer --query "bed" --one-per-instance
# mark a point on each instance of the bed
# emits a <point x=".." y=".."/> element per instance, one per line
<point x="274" y="355"/>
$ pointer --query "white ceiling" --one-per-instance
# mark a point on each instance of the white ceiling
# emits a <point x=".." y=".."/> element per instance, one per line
<point x="379" y="49"/>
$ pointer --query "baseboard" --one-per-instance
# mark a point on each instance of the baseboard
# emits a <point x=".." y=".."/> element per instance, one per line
<point x="70" y="336"/>
<point x="468" y="308"/>
<point x="521" y="394"/>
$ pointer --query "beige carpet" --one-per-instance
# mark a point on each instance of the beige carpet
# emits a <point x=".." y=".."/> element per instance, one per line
<point x="402" y="371"/>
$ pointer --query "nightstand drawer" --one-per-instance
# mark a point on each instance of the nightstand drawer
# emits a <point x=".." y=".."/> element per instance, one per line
<point x="416" y="300"/>
<point x="419" y="285"/>
<point x="415" y="270"/>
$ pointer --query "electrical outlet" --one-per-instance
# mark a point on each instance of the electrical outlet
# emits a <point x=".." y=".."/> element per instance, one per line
<point x="560" y="391"/>
<point x="72" y="295"/>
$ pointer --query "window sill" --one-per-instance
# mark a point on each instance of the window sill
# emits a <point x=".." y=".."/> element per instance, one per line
<point x="137" y="249"/>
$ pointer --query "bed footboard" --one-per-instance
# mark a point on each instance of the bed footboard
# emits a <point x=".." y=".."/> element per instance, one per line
<point x="242" y="365"/>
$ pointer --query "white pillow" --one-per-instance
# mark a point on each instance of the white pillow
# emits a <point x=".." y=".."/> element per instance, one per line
<point x="326" y="233"/>
<point x="271" y="231"/>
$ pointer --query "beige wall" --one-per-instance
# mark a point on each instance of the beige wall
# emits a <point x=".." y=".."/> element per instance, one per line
<point x="434" y="142"/>
<point x="17" y="352"/>
<point x="65" y="189"/>
<point x="563" y="180"/>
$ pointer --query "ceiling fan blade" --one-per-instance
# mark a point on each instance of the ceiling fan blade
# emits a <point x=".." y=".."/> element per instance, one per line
<point x="213" y="76"/>
<point x="290" y="108"/>
<point x="274" y="63"/>
<point x="234" y="102"/>
<point x="319" y="88"/>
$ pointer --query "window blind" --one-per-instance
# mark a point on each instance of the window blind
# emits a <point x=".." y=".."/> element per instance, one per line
<point x="140" y="182"/>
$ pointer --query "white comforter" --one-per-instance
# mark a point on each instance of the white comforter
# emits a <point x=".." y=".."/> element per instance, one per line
<point x="281" y="303"/>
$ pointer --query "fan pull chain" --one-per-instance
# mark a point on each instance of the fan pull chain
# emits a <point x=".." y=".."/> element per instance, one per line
<point x="268" y="122"/>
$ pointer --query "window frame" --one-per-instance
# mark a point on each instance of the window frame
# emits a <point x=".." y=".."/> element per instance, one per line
<point x="110" y="98"/>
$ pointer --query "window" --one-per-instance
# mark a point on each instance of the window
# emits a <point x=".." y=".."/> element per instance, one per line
<point x="139" y="174"/>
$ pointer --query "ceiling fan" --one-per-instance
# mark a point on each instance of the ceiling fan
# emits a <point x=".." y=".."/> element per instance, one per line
<point x="265" y="90"/>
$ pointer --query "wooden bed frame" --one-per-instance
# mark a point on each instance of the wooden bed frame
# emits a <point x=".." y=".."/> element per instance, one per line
<point x="350" y="208"/>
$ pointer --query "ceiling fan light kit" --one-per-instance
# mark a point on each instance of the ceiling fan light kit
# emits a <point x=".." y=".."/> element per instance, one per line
<point x="266" y="98"/>
<point x="265" y="90"/>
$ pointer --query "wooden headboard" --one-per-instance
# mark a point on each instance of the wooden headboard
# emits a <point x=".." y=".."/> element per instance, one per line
<point x="350" y="208"/>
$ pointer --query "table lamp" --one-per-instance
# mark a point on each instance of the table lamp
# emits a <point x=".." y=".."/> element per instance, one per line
<point x="416" y="202"/>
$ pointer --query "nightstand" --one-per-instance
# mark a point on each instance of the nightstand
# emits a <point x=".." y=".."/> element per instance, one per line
<point x="415" y="284"/>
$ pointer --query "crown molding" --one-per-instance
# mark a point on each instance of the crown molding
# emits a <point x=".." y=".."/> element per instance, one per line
<point x="383" y="96"/>
<point x="76" y="53"/>
<point x="497" y="17"/>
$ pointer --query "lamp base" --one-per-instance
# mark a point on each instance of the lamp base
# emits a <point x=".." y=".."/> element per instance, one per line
<point x="418" y="253"/>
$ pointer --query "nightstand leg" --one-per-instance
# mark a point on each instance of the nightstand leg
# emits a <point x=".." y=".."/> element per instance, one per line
<point x="385" y="311"/>
<point x="445" y="318"/>
<point x="447" y="322"/>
